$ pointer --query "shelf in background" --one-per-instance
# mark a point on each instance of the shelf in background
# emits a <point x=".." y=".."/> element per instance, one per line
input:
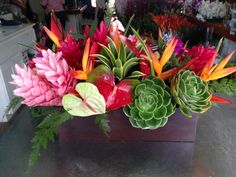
<point x="218" y="27"/>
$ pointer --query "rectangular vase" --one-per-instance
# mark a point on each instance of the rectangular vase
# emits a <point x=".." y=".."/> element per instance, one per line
<point x="177" y="129"/>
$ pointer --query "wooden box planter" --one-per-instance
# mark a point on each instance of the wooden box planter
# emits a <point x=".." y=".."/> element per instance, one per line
<point x="177" y="129"/>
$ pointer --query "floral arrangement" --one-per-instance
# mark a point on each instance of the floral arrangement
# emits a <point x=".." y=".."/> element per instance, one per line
<point x="172" y="22"/>
<point x="103" y="70"/>
<point x="211" y="10"/>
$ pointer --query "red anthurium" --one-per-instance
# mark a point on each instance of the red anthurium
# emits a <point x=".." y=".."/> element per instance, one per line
<point x="115" y="95"/>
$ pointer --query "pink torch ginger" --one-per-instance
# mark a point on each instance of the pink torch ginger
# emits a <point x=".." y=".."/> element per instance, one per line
<point x="55" y="69"/>
<point x="35" y="90"/>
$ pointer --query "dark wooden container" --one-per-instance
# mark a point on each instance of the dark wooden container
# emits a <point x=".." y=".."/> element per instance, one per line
<point x="177" y="129"/>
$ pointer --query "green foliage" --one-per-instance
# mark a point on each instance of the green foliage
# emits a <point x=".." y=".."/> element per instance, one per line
<point x="13" y="103"/>
<point x="121" y="61"/>
<point x="103" y="123"/>
<point x="93" y="27"/>
<point x="46" y="132"/>
<point x="152" y="104"/>
<point x="40" y="111"/>
<point x="225" y="85"/>
<point x="190" y="93"/>
<point x="128" y="24"/>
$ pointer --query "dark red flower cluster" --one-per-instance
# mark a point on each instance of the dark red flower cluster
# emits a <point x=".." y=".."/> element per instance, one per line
<point x="173" y="21"/>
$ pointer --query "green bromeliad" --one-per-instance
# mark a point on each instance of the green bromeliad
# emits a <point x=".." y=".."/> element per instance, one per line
<point x="191" y="93"/>
<point x="152" y="104"/>
<point x="120" y="59"/>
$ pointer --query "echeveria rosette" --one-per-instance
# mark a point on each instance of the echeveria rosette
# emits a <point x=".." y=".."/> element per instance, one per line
<point x="152" y="104"/>
<point x="191" y="93"/>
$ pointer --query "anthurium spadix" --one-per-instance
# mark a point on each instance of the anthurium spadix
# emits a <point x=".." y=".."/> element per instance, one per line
<point x="90" y="101"/>
<point x="217" y="71"/>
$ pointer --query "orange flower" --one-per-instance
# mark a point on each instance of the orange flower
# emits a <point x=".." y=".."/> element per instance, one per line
<point x="217" y="71"/>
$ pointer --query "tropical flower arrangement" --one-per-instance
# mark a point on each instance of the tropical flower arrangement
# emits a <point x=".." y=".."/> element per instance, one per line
<point x="211" y="10"/>
<point x="104" y="70"/>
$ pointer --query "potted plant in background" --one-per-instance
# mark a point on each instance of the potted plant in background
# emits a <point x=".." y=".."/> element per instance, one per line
<point x="105" y="73"/>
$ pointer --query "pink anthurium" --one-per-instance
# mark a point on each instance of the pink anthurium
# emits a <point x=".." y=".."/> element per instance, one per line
<point x="115" y="95"/>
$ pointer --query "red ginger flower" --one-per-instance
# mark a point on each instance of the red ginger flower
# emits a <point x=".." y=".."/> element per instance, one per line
<point x="72" y="52"/>
<point x="200" y="55"/>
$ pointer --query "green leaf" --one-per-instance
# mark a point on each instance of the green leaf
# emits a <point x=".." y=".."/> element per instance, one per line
<point x="118" y="72"/>
<point x="12" y="105"/>
<point x="128" y="24"/>
<point x="122" y="53"/>
<point x="118" y="63"/>
<point x="46" y="132"/>
<point x="91" y="102"/>
<point x="136" y="75"/>
<point x="103" y="123"/>
<point x="142" y="43"/>
<point x="93" y="27"/>
<point x="128" y="65"/>
<point x="109" y="54"/>
<point x="40" y="111"/>
<point x="104" y="60"/>
<point x="112" y="47"/>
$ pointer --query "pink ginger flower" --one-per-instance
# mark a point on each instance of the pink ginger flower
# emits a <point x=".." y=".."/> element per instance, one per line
<point x="35" y="90"/>
<point x="55" y="69"/>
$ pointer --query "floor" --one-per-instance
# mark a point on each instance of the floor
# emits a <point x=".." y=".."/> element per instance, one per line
<point x="212" y="155"/>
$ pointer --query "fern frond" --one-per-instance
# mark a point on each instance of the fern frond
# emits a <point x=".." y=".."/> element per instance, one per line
<point x="46" y="132"/>
<point x="103" y="123"/>
<point x="13" y="103"/>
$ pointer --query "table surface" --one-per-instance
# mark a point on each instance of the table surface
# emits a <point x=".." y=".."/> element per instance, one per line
<point x="214" y="153"/>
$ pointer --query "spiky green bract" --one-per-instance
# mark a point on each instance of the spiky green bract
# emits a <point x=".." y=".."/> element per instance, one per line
<point x="46" y="132"/>
<point x="152" y="104"/>
<point x="190" y="93"/>
<point x="120" y="60"/>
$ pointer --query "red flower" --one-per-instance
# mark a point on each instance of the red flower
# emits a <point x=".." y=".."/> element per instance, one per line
<point x="72" y="52"/>
<point x="173" y="22"/>
<point x="200" y="55"/>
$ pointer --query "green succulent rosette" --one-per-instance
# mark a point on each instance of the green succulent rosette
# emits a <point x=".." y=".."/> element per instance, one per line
<point x="152" y="104"/>
<point x="191" y="93"/>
